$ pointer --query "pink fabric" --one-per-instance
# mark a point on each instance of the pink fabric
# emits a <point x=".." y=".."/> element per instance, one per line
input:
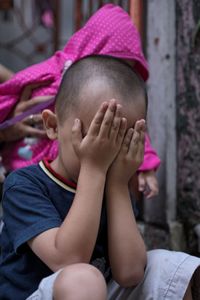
<point x="151" y="159"/>
<point x="109" y="31"/>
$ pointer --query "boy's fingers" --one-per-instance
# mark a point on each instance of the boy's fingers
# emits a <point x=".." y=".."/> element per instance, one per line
<point x="134" y="143"/>
<point x="127" y="140"/>
<point x="135" y="138"/>
<point x="139" y="152"/>
<point x="142" y="138"/>
<point x="138" y="139"/>
<point x="76" y="134"/>
<point x="136" y="148"/>
<point x="116" y="123"/>
<point x="122" y="130"/>
<point x="97" y="120"/>
<point x="140" y="126"/>
<point x="108" y="119"/>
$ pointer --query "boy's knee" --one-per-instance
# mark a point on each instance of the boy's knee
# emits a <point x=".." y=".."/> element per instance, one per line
<point x="80" y="281"/>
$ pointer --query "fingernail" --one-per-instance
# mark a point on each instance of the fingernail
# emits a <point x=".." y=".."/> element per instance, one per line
<point x="119" y="106"/>
<point x="104" y="105"/>
<point x="76" y="122"/>
<point x="131" y="131"/>
<point x="113" y="102"/>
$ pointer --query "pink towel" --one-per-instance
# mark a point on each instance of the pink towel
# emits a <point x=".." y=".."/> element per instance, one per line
<point x="109" y="31"/>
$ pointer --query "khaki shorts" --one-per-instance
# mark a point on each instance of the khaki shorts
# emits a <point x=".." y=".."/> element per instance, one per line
<point x="167" y="276"/>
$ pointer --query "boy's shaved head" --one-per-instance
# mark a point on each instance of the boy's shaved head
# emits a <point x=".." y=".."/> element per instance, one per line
<point x="97" y="78"/>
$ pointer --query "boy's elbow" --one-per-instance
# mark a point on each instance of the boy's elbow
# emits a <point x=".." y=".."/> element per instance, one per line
<point x="130" y="279"/>
<point x="62" y="262"/>
<point x="131" y="275"/>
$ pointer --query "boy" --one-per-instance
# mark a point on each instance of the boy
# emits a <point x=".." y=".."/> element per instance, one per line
<point x="62" y="215"/>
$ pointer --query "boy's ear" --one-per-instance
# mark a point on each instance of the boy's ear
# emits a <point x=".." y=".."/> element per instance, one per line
<point x="50" y="124"/>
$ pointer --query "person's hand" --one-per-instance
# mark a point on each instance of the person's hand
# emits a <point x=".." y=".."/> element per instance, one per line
<point x="130" y="155"/>
<point x="104" y="138"/>
<point x="31" y="126"/>
<point x="148" y="184"/>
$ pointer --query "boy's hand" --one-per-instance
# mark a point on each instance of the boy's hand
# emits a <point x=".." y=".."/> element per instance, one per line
<point x="104" y="138"/>
<point x="148" y="184"/>
<point x="130" y="156"/>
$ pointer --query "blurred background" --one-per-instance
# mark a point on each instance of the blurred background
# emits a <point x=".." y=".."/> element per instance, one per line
<point x="31" y="31"/>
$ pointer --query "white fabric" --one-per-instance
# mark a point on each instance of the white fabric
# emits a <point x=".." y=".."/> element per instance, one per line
<point x="167" y="276"/>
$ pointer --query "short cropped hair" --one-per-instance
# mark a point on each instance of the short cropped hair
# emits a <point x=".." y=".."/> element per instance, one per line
<point x="117" y="75"/>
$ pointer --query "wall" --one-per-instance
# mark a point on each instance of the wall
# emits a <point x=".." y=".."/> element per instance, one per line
<point x="188" y="117"/>
<point x="162" y="114"/>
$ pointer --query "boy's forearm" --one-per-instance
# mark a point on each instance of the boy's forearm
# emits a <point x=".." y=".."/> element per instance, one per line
<point x="127" y="251"/>
<point x="76" y="237"/>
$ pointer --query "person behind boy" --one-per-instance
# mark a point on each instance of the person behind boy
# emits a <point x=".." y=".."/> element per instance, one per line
<point x="110" y="31"/>
<point x="65" y="219"/>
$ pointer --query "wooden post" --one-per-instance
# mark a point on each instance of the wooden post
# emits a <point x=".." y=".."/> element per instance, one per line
<point x="161" y="34"/>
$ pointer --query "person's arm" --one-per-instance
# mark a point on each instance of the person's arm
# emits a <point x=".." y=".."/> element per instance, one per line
<point x="31" y="126"/>
<point x="151" y="159"/>
<point x="127" y="251"/>
<point x="147" y="180"/>
<point x="74" y="241"/>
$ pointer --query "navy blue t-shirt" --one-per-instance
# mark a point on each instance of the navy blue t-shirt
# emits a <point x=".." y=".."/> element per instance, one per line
<point x="35" y="199"/>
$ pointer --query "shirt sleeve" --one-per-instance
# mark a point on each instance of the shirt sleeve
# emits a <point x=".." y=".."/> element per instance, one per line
<point x="28" y="211"/>
<point x="151" y="160"/>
